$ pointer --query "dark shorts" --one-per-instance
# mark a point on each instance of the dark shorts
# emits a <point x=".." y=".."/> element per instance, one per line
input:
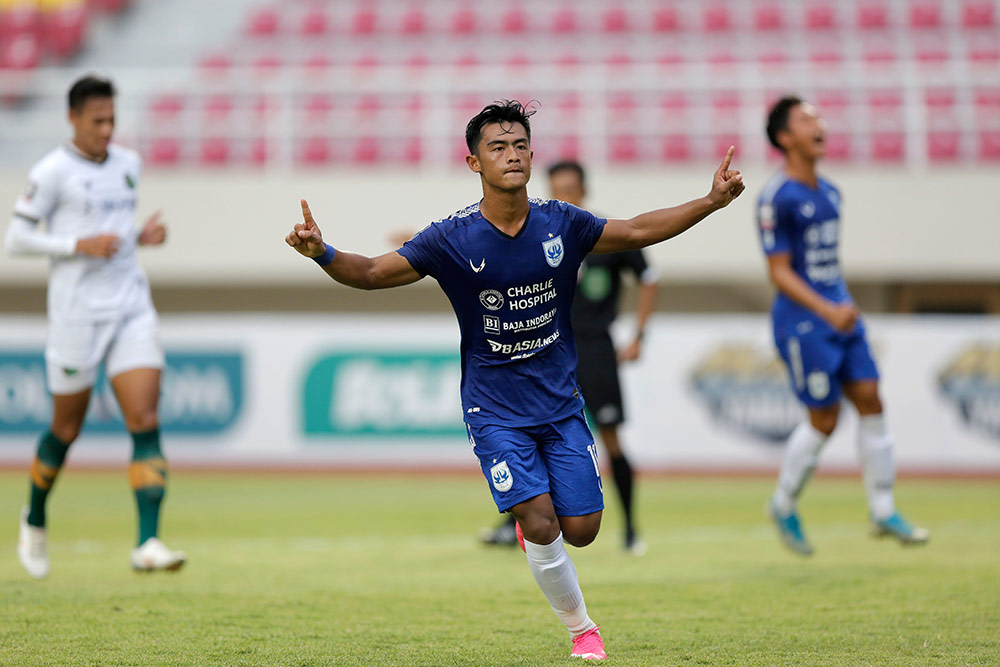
<point x="597" y="373"/>
<point x="559" y="459"/>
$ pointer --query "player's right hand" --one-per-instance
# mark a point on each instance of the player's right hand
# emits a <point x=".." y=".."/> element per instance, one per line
<point x="305" y="236"/>
<point x="843" y="317"/>
<point x="103" y="246"/>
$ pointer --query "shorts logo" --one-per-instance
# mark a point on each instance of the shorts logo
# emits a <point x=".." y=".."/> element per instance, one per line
<point x="553" y="249"/>
<point x="70" y="372"/>
<point x="491" y="299"/>
<point x="819" y="385"/>
<point x="501" y="477"/>
<point x="491" y="324"/>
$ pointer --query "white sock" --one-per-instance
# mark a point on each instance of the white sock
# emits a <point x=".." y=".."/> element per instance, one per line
<point x="875" y="451"/>
<point x="801" y="456"/>
<point x="556" y="576"/>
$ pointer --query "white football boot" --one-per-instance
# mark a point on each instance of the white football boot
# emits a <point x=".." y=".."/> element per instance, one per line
<point x="154" y="555"/>
<point x="32" y="548"/>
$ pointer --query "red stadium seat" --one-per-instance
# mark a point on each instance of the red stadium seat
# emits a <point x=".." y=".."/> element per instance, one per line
<point x="260" y="151"/>
<point x="413" y="151"/>
<point x="109" y="6"/>
<point x="768" y="17"/>
<point x="873" y="15"/>
<point x="218" y="108"/>
<point x="317" y="65"/>
<point x="167" y="106"/>
<point x="263" y="23"/>
<point x="467" y="60"/>
<point x="821" y="16"/>
<point x="568" y="148"/>
<point x="773" y="54"/>
<point x="943" y="145"/>
<point x="417" y="61"/>
<point x="888" y="146"/>
<point x="314" y="151"/>
<point x="615" y="20"/>
<point x="720" y="144"/>
<point x="568" y="60"/>
<point x="623" y="149"/>
<point x="215" y="151"/>
<point x="164" y="151"/>
<point x="989" y="145"/>
<point x="364" y="22"/>
<point x="880" y="51"/>
<point x="618" y="59"/>
<point x="979" y="14"/>
<point x="19" y="19"/>
<point x="215" y="65"/>
<point x="518" y="61"/>
<point x="925" y="14"/>
<point x="715" y="18"/>
<point x="21" y="53"/>
<point x="266" y="65"/>
<point x="838" y="146"/>
<point x="984" y="51"/>
<point x="666" y="19"/>
<point x="366" y="151"/>
<point x="675" y="148"/>
<point x="940" y="99"/>
<point x="515" y="21"/>
<point x="414" y="22"/>
<point x="314" y="23"/>
<point x="64" y="28"/>
<point x="826" y="52"/>
<point x="564" y="21"/>
<point x="932" y="50"/>
<point x="463" y="22"/>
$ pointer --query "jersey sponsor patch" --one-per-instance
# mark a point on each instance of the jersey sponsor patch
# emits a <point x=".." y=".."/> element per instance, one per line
<point x="501" y="477"/>
<point x="491" y="324"/>
<point x="553" y="249"/>
<point x="30" y="190"/>
<point x="491" y="299"/>
<point x="766" y="214"/>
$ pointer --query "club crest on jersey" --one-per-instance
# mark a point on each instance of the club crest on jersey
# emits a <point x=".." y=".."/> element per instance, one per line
<point x="553" y="249"/>
<point x="501" y="477"/>
<point x="807" y="209"/>
<point x="491" y="299"/>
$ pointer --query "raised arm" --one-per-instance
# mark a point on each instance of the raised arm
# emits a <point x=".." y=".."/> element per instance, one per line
<point x="348" y="268"/>
<point x="649" y="228"/>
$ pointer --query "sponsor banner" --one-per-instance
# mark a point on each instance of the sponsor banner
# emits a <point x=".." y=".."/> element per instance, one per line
<point x="354" y="394"/>
<point x="709" y="392"/>
<point x="202" y="394"/>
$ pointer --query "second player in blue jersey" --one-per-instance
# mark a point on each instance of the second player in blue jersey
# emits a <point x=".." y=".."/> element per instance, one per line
<point x="509" y="266"/>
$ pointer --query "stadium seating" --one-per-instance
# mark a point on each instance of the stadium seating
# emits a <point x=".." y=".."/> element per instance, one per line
<point x="855" y="47"/>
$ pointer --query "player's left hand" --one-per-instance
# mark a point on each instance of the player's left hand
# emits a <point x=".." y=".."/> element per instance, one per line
<point x="630" y="352"/>
<point x="727" y="183"/>
<point x="153" y="232"/>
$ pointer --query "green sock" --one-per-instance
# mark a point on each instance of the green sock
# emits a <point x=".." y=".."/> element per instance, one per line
<point x="49" y="459"/>
<point x="147" y="475"/>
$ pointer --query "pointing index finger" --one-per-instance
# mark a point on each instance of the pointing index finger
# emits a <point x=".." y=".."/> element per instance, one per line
<point x="307" y="214"/>
<point x="728" y="159"/>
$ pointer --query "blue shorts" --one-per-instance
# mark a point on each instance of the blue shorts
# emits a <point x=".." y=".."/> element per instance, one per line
<point x="821" y="360"/>
<point x="559" y="459"/>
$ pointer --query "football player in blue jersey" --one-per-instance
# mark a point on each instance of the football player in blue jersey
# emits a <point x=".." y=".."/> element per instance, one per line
<point x="509" y="265"/>
<point x="818" y="329"/>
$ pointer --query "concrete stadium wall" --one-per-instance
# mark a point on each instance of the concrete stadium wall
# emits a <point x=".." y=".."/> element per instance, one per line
<point x="226" y="227"/>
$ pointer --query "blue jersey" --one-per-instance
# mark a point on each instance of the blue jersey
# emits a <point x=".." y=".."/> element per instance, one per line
<point x="512" y="296"/>
<point x="804" y="222"/>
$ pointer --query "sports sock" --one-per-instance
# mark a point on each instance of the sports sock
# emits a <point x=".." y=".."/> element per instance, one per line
<point x="49" y="458"/>
<point x="148" y="477"/>
<point x="623" y="474"/>
<point x="801" y="456"/>
<point x="875" y="450"/>
<point x="556" y="576"/>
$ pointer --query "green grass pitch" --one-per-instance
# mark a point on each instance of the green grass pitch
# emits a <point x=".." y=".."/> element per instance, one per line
<point x="369" y="570"/>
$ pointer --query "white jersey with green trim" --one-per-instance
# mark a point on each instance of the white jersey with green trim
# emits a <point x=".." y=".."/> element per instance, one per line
<point x="77" y="198"/>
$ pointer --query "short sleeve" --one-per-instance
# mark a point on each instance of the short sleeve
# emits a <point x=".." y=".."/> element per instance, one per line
<point x="587" y="227"/>
<point x="774" y="222"/>
<point x="423" y="251"/>
<point x="636" y="262"/>
<point x="41" y="194"/>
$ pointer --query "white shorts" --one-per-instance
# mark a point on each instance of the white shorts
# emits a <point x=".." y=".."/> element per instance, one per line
<point x="76" y="350"/>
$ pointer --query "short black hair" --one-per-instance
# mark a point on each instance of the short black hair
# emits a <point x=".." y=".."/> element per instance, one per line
<point x="501" y="111"/>
<point x="88" y="87"/>
<point x="777" y="119"/>
<point x="569" y="165"/>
